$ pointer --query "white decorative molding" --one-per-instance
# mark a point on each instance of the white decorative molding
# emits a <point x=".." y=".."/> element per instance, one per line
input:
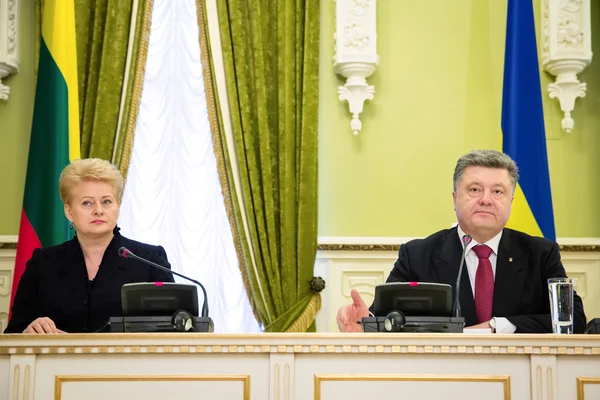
<point x="355" y="53"/>
<point x="9" y="42"/>
<point x="3" y="321"/>
<point x="363" y="281"/>
<point x="543" y="374"/>
<point x="282" y="373"/>
<point x="7" y="263"/>
<point x="21" y="378"/>
<point x="566" y="51"/>
<point x="579" y="283"/>
<point x="5" y="281"/>
<point x="299" y="366"/>
<point x="9" y="238"/>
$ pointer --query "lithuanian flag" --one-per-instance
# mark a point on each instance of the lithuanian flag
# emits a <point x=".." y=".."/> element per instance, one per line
<point x="524" y="138"/>
<point x="54" y="135"/>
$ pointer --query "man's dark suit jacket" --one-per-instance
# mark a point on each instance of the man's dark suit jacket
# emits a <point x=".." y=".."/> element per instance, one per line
<point x="55" y="284"/>
<point x="523" y="267"/>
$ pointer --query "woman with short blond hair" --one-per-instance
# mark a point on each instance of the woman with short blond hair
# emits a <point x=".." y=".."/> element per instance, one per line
<point x="76" y="286"/>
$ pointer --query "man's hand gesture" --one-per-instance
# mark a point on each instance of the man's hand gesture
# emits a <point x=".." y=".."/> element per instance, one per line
<point x="349" y="317"/>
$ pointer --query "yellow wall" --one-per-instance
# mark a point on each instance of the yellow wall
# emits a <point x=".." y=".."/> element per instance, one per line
<point x="438" y="95"/>
<point x="15" y="127"/>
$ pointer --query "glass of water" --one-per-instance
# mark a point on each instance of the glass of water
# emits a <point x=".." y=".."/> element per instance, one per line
<point x="561" y="294"/>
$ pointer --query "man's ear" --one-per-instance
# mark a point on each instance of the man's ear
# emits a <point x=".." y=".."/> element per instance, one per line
<point x="454" y="200"/>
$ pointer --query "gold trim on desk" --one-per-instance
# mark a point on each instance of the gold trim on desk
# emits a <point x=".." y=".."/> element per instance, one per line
<point x="423" y="349"/>
<point x="106" y="338"/>
<point x="359" y="247"/>
<point x="581" y="382"/>
<point x="282" y="343"/>
<point x="579" y="248"/>
<point x="503" y="379"/>
<point x="60" y="379"/>
<point x="574" y="248"/>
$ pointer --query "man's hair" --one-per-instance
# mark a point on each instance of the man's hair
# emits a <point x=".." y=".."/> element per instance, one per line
<point x="89" y="169"/>
<point x="487" y="159"/>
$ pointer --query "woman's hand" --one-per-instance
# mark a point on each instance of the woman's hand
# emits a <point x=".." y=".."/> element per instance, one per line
<point x="42" y="325"/>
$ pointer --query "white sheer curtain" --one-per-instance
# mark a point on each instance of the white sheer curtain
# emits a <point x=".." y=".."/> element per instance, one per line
<point x="173" y="194"/>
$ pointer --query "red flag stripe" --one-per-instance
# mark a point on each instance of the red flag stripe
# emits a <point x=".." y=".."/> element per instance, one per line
<point x="28" y="242"/>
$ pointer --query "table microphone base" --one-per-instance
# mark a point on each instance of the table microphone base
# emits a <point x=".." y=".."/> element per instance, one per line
<point x="593" y="326"/>
<point x="157" y="324"/>
<point x="417" y="324"/>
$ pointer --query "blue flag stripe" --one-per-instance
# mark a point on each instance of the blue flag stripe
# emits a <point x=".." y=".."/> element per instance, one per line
<point x="524" y="138"/>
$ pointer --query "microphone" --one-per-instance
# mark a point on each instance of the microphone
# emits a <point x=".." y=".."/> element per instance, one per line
<point x="126" y="253"/>
<point x="457" y="312"/>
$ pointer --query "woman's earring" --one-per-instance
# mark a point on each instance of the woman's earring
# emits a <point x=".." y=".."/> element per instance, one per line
<point x="70" y="225"/>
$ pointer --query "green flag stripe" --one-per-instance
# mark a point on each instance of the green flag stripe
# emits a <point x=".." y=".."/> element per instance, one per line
<point x="48" y="153"/>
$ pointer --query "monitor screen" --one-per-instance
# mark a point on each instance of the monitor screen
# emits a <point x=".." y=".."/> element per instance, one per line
<point x="158" y="299"/>
<point x="413" y="299"/>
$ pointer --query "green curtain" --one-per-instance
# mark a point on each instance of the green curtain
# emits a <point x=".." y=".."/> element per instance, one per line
<point x="135" y="83"/>
<point x="271" y="59"/>
<point x="103" y="32"/>
<point x="102" y="38"/>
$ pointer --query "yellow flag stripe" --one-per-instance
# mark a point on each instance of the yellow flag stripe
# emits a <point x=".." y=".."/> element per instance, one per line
<point x="521" y="217"/>
<point x="58" y="31"/>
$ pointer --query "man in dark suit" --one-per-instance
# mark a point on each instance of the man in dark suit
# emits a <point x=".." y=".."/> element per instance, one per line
<point x="506" y="287"/>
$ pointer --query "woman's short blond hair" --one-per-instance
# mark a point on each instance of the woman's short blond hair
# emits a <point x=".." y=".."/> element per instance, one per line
<point x="89" y="169"/>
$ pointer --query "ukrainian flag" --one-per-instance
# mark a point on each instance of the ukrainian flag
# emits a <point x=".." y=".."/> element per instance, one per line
<point x="523" y="134"/>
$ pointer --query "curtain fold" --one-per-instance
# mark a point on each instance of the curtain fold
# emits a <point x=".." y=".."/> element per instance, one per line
<point x="102" y="38"/>
<point x="270" y="53"/>
<point x="221" y="157"/>
<point x="134" y="78"/>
